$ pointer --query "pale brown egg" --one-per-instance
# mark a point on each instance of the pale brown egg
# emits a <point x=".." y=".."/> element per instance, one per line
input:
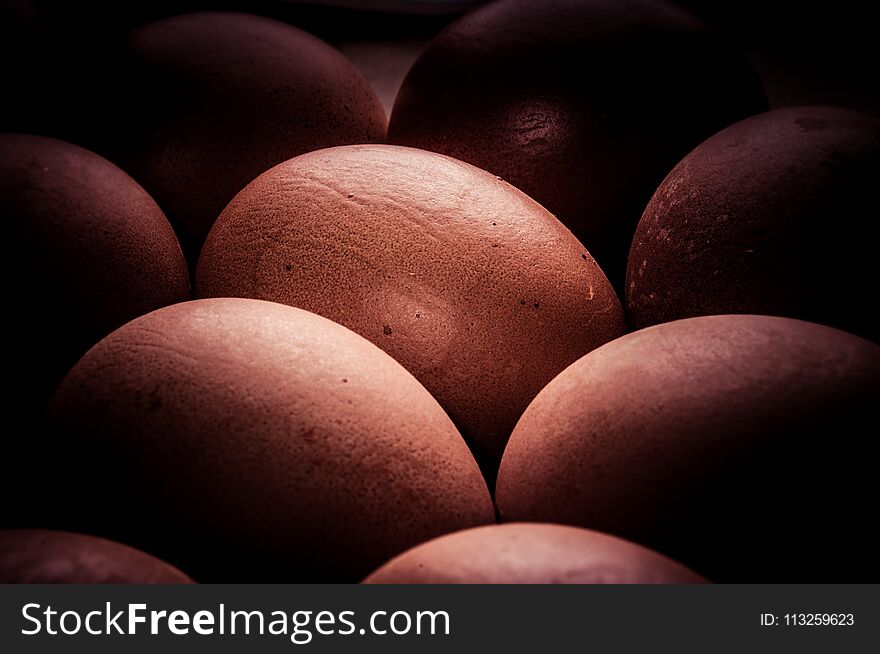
<point x="248" y="440"/>
<point x="475" y="288"/>
<point x="36" y="556"/>
<point x="531" y="553"/>
<point x="742" y="446"/>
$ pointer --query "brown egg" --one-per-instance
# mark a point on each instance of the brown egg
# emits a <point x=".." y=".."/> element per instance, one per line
<point x="86" y="250"/>
<point x="34" y="556"/>
<point x="529" y="553"/>
<point x="250" y="440"/>
<point x="585" y="106"/>
<point x="476" y="289"/>
<point x="196" y="106"/>
<point x="742" y="446"/>
<point x="773" y="215"/>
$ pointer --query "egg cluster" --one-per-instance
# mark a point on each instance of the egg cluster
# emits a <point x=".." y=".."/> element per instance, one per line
<point x="581" y="287"/>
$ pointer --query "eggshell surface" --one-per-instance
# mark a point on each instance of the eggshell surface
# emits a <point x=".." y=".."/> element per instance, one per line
<point x="772" y="215"/>
<point x="195" y="106"/>
<point x="250" y="440"/>
<point x="35" y="556"/>
<point x="87" y="250"/>
<point x="741" y="446"/>
<point x="529" y="553"/>
<point x="472" y="286"/>
<point x="584" y="105"/>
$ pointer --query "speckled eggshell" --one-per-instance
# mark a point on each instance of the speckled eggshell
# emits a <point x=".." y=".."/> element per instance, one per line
<point x="86" y="250"/>
<point x="251" y="440"/>
<point x="742" y="446"/>
<point x="583" y="104"/>
<point x="475" y="288"/>
<point x="529" y="553"/>
<point x="35" y="556"/>
<point x="773" y="215"/>
<point x="196" y="106"/>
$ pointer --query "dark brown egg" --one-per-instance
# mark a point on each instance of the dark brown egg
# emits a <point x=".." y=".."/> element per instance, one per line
<point x="773" y="215"/>
<point x="196" y="106"/>
<point x="34" y="556"/>
<point x="86" y="250"/>
<point x="585" y="106"/>
<point x="742" y="446"/>
<point x="529" y="553"/>
<point x="475" y="288"/>
<point x="250" y="440"/>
